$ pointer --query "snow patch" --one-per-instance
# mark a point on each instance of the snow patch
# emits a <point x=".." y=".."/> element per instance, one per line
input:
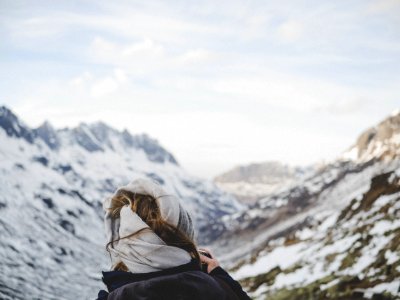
<point x="391" y="287"/>
<point x="281" y="256"/>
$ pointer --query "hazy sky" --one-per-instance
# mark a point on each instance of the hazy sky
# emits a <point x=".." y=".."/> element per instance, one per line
<point x="218" y="83"/>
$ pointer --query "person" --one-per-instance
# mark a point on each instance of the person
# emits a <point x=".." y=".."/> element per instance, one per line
<point x="153" y="254"/>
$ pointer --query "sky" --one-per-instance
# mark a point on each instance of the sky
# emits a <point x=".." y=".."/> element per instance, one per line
<point x="217" y="83"/>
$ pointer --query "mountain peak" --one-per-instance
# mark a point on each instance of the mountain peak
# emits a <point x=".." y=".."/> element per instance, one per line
<point x="4" y="110"/>
<point x="48" y="134"/>
<point x="378" y="142"/>
<point x="153" y="149"/>
<point x="46" y="124"/>
<point x="84" y="137"/>
<point x="100" y="124"/>
<point x="96" y="136"/>
<point x="13" y="126"/>
<point x="396" y="112"/>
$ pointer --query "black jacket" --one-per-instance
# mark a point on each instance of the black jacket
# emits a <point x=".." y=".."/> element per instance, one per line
<point x="178" y="283"/>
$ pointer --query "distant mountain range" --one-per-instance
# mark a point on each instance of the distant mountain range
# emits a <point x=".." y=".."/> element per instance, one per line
<point x="52" y="184"/>
<point x="332" y="234"/>
<point x="252" y="182"/>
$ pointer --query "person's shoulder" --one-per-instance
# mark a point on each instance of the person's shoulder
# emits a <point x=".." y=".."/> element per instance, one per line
<point x="190" y="284"/>
<point x="102" y="295"/>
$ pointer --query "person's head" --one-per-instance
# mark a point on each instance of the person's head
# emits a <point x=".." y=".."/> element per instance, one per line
<point x="163" y="215"/>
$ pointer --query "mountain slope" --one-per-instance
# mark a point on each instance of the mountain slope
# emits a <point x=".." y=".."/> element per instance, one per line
<point x="350" y="255"/>
<point x="333" y="235"/>
<point x="52" y="184"/>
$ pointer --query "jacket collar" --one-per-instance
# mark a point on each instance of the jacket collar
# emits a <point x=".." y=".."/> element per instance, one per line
<point x="116" y="279"/>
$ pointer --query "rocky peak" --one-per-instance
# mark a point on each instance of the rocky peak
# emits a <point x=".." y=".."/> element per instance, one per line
<point x="83" y="136"/>
<point x="153" y="150"/>
<point x="48" y="134"/>
<point x="379" y="142"/>
<point x="13" y="126"/>
<point x="103" y="133"/>
<point x="92" y="137"/>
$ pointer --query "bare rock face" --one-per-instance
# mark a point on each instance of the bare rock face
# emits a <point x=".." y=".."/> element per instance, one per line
<point x="48" y="134"/>
<point x="13" y="127"/>
<point x="379" y="142"/>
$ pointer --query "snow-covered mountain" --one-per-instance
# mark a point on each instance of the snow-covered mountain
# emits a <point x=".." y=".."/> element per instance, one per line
<point x="335" y="234"/>
<point x="52" y="183"/>
<point x="251" y="182"/>
<point x="352" y="253"/>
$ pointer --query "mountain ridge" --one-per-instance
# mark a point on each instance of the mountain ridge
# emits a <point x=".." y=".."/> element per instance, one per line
<point x="51" y="195"/>
<point x="252" y="182"/>
<point x="91" y="136"/>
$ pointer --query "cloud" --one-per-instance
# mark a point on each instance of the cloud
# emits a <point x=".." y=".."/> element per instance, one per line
<point x="290" y="31"/>
<point x="173" y="64"/>
<point x="38" y="27"/>
<point x="99" y="86"/>
<point x="290" y="92"/>
<point x="145" y="47"/>
<point x="197" y="56"/>
<point x="140" y="57"/>
<point x="82" y="79"/>
<point x="147" y="57"/>
<point x="342" y="106"/>
<point x="115" y="52"/>
<point x="383" y="6"/>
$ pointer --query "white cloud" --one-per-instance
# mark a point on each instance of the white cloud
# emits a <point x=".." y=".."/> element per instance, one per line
<point x="147" y="57"/>
<point x="197" y="56"/>
<point x="99" y="86"/>
<point x="143" y="48"/>
<point x="139" y="57"/>
<point x="34" y="28"/>
<point x="384" y="6"/>
<point x="102" y="47"/>
<point x="343" y="105"/>
<point x="104" y="87"/>
<point x="232" y="72"/>
<point x="289" y="92"/>
<point x="290" y="31"/>
<point x="82" y="79"/>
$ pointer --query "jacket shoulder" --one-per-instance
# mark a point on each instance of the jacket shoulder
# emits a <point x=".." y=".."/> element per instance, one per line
<point x="193" y="285"/>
